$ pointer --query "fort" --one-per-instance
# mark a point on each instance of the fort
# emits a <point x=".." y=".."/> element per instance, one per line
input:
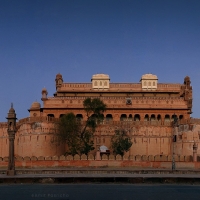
<point x="147" y="110"/>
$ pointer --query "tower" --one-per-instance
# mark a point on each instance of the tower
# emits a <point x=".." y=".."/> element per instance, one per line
<point x="11" y="134"/>
<point x="59" y="81"/>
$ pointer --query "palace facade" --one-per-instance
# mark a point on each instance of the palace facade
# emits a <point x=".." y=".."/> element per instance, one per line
<point x="145" y="109"/>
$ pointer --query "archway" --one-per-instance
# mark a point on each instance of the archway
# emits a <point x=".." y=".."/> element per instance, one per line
<point x="123" y="117"/>
<point x="137" y="117"/>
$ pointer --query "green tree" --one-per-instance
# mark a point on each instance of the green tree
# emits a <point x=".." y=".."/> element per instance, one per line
<point x="78" y="135"/>
<point x="120" y="142"/>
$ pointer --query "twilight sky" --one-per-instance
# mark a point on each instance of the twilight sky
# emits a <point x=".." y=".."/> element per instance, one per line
<point x="79" y="38"/>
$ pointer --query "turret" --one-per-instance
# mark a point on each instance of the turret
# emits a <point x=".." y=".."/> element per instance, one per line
<point x="11" y="119"/>
<point x="59" y="81"/>
<point x="11" y="134"/>
<point x="44" y="94"/>
<point x="35" y="109"/>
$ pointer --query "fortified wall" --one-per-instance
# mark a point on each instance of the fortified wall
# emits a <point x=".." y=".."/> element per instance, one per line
<point x="35" y="138"/>
<point x="146" y="110"/>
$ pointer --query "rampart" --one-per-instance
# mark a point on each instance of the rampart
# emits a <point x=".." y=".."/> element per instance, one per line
<point x="138" y="161"/>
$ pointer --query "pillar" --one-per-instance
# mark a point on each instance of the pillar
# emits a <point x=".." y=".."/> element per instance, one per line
<point x="11" y="135"/>
<point x="195" y="146"/>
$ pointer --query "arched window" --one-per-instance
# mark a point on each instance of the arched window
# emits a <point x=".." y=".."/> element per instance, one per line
<point x="61" y="115"/>
<point x="180" y="117"/>
<point x="154" y="84"/>
<point x="174" y="118"/>
<point x="105" y="83"/>
<point x="95" y="83"/>
<point x="79" y="117"/>
<point x="146" y="118"/>
<point x="109" y="117"/>
<point x="130" y="117"/>
<point x="50" y="117"/>
<point x="145" y="83"/>
<point x="159" y="117"/>
<point x="100" y="83"/>
<point x="153" y="117"/>
<point x="149" y="83"/>
<point x="137" y="117"/>
<point x="123" y="117"/>
<point x="167" y="118"/>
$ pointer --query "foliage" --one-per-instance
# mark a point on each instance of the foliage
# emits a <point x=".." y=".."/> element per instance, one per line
<point x="78" y="135"/>
<point x="120" y="142"/>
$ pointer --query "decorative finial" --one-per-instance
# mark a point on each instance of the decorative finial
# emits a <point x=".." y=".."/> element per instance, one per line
<point x="11" y="105"/>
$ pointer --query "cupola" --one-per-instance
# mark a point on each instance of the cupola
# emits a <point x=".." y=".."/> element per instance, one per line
<point x="149" y="81"/>
<point x="44" y="94"/>
<point x="100" y="81"/>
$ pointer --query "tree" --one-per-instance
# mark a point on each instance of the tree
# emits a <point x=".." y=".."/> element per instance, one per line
<point x="78" y="135"/>
<point x="120" y="142"/>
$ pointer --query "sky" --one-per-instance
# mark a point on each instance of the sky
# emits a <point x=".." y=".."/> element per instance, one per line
<point x="79" y="38"/>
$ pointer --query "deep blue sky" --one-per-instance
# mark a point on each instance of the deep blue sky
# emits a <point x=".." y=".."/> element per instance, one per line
<point x="78" y="38"/>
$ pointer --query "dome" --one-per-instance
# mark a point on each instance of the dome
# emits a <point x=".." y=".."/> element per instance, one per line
<point x="12" y="110"/>
<point x="187" y="78"/>
<point x="35" y="105"/>
<point x="100" y="76"/>
<point x="58" y="75"/>
<point x="44" y="90"/>
<point x="149" y="77"/>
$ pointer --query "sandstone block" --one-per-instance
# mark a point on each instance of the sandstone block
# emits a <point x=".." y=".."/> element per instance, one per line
<point x="26" y="158"/>
<point x="69" y="157"/>
<point x="118" y="157"/>
<point x="5" y="159"/>
<point x="157" y="158"/>
<point x="151" y="158"/>
<point x="138" y="158"/>
<point x="77" y="157"/>
<point x="48" y="158"/>
<point x="41" y="158"/>
<point x="132" y="157"/>
<point x="83" y="157"/>
<point x="163" y="158"/>
<point x="182" y="158"/>
<point x="111" y="157"/>
<point x="104" y="157"/>
<point x="62" y="157"/>
<point x="19" y="158"/>
<point x="90" y="157"/>
<point x="34" y="158"/>
<point x="55" y="158"/>
<point x="144" y="158"/>
<point x="126" y="157"/>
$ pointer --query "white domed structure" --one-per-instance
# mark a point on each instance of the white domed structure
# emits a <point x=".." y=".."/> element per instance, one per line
<point x="100" y="81"/>
<point x="149" y="81"/>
